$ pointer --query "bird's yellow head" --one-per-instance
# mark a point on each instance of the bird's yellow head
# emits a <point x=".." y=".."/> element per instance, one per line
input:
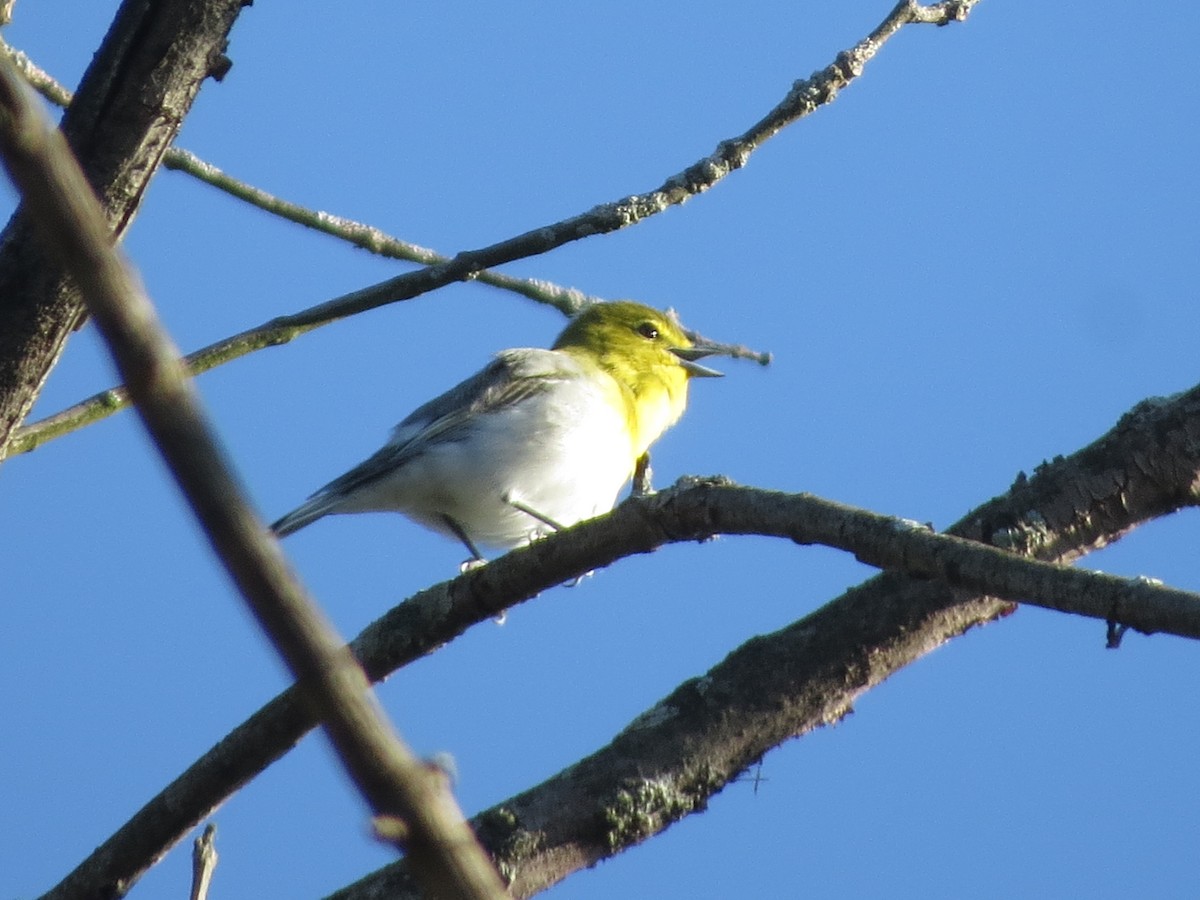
<point x="648" y="356"/>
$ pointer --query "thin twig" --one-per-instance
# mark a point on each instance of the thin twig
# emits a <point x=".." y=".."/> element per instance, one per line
<point x="41" y="80"/>
<point x="394" y="782"/>
<point x="139" y="87"/>
<point x="804" y="98"/>
<point x="567" y="300"/>
<point x="103" y="404"/>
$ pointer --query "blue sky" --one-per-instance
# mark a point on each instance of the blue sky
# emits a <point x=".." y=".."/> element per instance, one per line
<point x="976" y="259"/>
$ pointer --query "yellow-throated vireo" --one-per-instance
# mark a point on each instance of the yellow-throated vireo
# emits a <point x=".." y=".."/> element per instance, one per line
<point x="536" y="441"/>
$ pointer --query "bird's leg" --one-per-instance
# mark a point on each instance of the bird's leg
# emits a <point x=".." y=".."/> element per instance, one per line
<point x="530" y="511"/>
<point x="476" y="559"/>
<point x="641" y="477"/>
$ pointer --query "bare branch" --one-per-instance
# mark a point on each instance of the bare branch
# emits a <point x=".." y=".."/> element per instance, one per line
<point x="805" y="97"/>
<point x="394" y="782"/>
<point x="1145" y="467"/>
<point x="277" y="331"/>
<point x="136" y="92"/>
<point x="568" y="301"/>
<point x="675" y="756"/>
<point x="41" y="80"/>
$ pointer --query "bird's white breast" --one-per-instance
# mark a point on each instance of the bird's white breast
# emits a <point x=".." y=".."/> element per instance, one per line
<point x="563" y="451"/>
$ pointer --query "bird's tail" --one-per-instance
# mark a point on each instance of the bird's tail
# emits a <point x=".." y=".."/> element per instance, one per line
<point x="306" y="513"/>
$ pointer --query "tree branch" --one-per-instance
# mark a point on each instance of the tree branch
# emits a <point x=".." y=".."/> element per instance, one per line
<point x="804" y="98"/>
<point x="129" y="107"/>
<point x="567" y="300"/>
<point x="366" y="237"/>
<point x="270" y="334"/>
<point x="1145" y="467"/>
<point x="395" y="783"/>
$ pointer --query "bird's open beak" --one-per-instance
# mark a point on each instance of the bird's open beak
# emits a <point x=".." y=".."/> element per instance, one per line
<point x="689" y="355"/>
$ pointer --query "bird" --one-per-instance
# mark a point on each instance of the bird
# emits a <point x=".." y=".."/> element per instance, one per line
<point x="534" y="442"/>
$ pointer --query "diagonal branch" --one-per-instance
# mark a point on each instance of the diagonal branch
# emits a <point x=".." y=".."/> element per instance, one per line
<point x="270" y="334"/>
<point x="131" y="102"/>
<point x="805" y="97"/>
<point x="367" y="237"/>
<point x="397" y="785"/>
<point x="1147" y="466"/>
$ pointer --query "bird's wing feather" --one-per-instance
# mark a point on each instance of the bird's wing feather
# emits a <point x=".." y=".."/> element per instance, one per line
<point x="512" y="376"/>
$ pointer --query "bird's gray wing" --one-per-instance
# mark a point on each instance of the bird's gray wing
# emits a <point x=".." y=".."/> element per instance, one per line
<point x="509" y="378"/>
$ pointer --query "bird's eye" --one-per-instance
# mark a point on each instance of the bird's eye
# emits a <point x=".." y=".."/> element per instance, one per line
<point x="648" y="331"/>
